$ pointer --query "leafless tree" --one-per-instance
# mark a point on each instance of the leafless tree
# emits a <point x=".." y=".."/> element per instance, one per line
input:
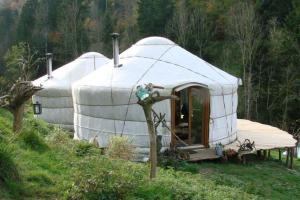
<point x="180" y="25"/>
<point x="246" y="31"/>
<point x="201" y="28"/>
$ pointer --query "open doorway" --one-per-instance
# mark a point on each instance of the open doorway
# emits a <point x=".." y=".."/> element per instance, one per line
<point x="190" y="117"/>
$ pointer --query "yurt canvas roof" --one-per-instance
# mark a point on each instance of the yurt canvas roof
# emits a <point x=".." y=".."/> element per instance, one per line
<point x="161" y="61"/>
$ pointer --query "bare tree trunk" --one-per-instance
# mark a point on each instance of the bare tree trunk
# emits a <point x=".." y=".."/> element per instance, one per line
<point x="249" y="95"/>
<point x="152" y="136"/>
<point x="246" y="30"/>
<point x="18" y="118"/>
<point x="146" y="104"/>
<point x="284" y="115"/>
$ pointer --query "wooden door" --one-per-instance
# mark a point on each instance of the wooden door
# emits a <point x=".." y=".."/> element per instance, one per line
<point x="198" y="116"/>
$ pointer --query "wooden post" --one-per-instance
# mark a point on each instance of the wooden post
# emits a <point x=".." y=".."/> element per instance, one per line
<point x="279" y="154"/>
<point x="190" y="115"/>
<point x="265" y="154"/>
<point x="291" y="158"/>
<point x="259" y="153"/>
<point x="287" y="156"/>
<point x="269" y="154"/>
<point x="244" y="159"/>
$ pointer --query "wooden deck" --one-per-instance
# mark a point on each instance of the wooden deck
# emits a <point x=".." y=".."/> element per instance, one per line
<point x="203" y="154"/>
<point x="199" y="152"/>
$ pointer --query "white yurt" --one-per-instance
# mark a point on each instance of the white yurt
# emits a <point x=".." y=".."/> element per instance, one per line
<point x="106" y="105"/>
<point x="55" y="99"/>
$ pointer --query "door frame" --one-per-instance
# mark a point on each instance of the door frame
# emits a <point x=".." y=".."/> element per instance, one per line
<point x="205" y="116"/>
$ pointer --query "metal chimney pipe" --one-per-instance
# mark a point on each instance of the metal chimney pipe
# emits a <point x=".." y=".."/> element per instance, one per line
<point x="115" y="37"/>
<point x="49" y="65"/>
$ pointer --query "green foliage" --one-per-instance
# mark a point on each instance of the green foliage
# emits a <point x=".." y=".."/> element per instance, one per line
<point x="21" y="63"/>
<point x="26" y="22"/>
<point x="120" y="148"/>
<point x="58" y="173"/>
<point x="31" y="139"/>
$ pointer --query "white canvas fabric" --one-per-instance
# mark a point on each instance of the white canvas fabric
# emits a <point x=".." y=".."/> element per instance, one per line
<point x="56" y="96"/>
<point x="105" y="102"/>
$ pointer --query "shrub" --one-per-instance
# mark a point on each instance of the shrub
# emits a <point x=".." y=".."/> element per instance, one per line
<point x="31" y="139"/>
<point x="38" y="125"/>
<point x="173" y="159"/>
<point x="101" y="178"/>
<point x="5" y="127"/>
<point x="83" y="148"/>
<point x="8" y="168"/>
<point x="58" y="136"/>
<point x="120" y="148"/>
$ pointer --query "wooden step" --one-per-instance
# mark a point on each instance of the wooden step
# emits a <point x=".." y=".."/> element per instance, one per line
<point x="191" y="147"/>
<point x="203" y="154"/>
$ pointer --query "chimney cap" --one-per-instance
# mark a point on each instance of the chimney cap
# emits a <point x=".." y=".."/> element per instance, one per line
<point x="115" y="35"/>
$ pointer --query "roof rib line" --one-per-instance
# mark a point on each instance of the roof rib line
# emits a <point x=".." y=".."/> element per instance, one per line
<point x="139" y="81"/>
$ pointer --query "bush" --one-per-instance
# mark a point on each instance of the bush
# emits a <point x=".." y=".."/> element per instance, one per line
<point x="8" y="168"/>
<point x="31" y="139"/>
<point x="120" y="148"/>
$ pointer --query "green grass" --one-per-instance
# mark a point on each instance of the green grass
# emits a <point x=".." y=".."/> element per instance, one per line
<point x="50" y="165"/>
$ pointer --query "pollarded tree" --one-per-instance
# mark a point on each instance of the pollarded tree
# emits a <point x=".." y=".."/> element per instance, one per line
<point x="15" y="100"/>
<point x="21" y="64"/>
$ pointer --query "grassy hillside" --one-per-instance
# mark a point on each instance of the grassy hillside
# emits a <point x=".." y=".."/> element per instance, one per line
<point x="43" y="162"/>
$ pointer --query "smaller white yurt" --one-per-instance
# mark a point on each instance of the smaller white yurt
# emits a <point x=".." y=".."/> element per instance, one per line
<point x="55" y="99"/>
<point x="106" y="105"/>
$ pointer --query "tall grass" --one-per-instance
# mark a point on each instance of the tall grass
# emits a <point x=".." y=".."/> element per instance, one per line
<point x="120" y="148"/>
<point x="8" y="168"/>
<point x="31" y="139"/>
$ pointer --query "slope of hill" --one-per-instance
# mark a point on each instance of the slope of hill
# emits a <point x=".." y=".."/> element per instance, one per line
<point x="43" y="162"/>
